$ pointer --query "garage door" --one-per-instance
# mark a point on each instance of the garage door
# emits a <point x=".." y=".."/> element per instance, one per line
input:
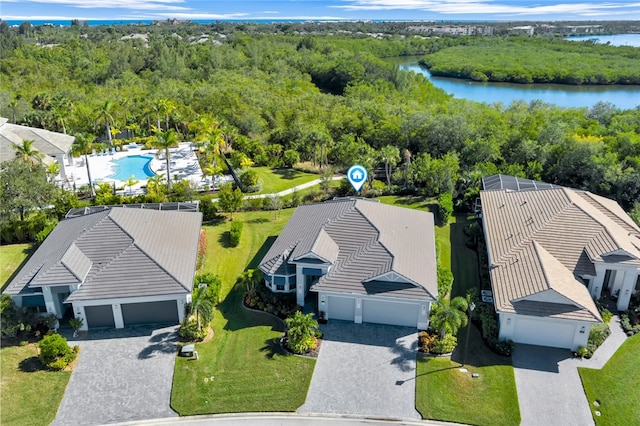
<point x="342" y="308"/>
<point x="99" y="316"/>
<point x="165" y="311"/>
<point x="390" y="312"/>
<point x="544" y="333"/>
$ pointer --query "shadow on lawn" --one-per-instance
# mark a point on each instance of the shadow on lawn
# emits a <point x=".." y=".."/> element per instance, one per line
<point x="288" y="174"/>
<point x="272" y="348"/>
<point x="30" y="365"/>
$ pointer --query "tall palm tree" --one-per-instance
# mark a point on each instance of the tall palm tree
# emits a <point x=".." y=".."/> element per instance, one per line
<point x="104" y="114"/>
<point x="83" y="146"/>
<point x="209" y="134"/>
<point x="390" y="156"/>
<point x="164" y="141"/>
<point x="27" y="152"/>
<point x="201" y="306"/>
<point x="448" y="316"/>
<point x="167" y="107"/>
<point x="13" y="105"/>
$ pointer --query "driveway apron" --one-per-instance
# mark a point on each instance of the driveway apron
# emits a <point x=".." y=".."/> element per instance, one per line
<point x="366" y="370"/>
<point x="121" y="375"/>
<point x="550" y="391"/>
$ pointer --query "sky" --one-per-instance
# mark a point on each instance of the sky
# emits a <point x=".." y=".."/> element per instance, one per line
<point x="418" y="10"/>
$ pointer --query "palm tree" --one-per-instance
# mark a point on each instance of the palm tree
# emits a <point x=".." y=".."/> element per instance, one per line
<point x="105" y="115"/>
<point x="28" y="153"/>
<point x="201" y="306"/>
<point x="166" y="106"/>
<point x="209" y="133"/>
<point x="13" y="105"/>
<point x="390" y="157"/>
<point x="164" y="141"/>
<point x="83" y="146"/>
<point x="448" y="316"/>
<point x="301" y="332"/>
<point x="131" y="182"/>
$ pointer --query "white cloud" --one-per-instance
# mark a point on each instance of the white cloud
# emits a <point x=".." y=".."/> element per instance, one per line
<point x="488" y="7"/>
<point x="120" y="4"/>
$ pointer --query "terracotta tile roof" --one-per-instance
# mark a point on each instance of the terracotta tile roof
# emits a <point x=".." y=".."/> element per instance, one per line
<point x="541" y="241"/>
<point x="363" y="240"/>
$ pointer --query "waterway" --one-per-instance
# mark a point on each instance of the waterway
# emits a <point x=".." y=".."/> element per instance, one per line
<point x="613" y="39"/>
<point x="622" y="96"/>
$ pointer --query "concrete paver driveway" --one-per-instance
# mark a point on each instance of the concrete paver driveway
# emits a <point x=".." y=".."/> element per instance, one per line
<point x="364" y="369"/>
<point x="121" y="375"/>
<point x="550" y="391"/>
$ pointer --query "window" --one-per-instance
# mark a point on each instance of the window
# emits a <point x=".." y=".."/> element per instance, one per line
<point x="638" y="283"/>
<point x="292" y="286"/>
<point x="280" y="287"/>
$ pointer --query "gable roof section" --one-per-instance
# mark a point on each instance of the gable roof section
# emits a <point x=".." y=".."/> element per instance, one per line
<point x="49" y="143"/>
<point x="116" y="253"/>
<point x="363" y="240"/>
<point x="543" y="240"/>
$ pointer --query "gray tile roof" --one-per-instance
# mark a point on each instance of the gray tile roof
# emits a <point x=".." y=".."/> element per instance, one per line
<point x="49" y="143"/>
<point x="116" y="253"/>
<point x="367" y="240"/>
<point x="540" y="242"/>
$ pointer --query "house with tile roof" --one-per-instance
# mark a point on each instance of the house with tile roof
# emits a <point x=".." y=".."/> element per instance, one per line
<point x="552" y="250"/>
<point x="56" y="147"/>
<point x="357" y="260"/>
<point x="113" y="267"/>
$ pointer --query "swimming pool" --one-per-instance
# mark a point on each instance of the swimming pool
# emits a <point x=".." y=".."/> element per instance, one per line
<point x="136" y="165"/>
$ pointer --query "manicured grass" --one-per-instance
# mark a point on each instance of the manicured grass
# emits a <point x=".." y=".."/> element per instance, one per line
<point x="242" y="368"/>
<point x="616" y="386"/>
<point x="276" y="180"/>
<point x="445" y="393"/>
<point x="11" y="258"/>
<point x="30" y="395"/>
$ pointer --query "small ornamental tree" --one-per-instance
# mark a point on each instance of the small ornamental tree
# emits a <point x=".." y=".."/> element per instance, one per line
<point x="447" y="316"/>
<point x="301" y="332"/>
<point x="55" y="352"/>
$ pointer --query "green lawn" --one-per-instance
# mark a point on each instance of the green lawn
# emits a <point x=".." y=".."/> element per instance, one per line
<point x="445" y="393"/>
<point x="276" y="180"/>
<point x="242" y="368"/>
<point x="616" y="386"/>
<point x="30" y="395"/>
<point x="11" y="258"/>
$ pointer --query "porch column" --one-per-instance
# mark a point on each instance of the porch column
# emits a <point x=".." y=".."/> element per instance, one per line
<point x="358" y="315"/>
<point x="118" y="320"/>
<point x="630" y="277"/>
<point x="423" y="317"/>
<point x="301" y="286"/>
<point x="49" y="302"/>
<point x="78" y="313"/>
<point x="596" y="284"/>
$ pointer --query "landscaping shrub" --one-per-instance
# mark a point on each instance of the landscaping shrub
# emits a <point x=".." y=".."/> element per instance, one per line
<point x="208" y="208"/>
<point x="259" y="297"/>
<point x="55" y="353"/>
<point x="189" y="331"/>
<point x="202" y="249"/>
<point x="290" y="158"/>
<point x="444" y="345"/>
<point x="249" y="179"/>
<point x="426" y="341"/>
<point x="445" y="282"/>
<point x="235" y="232"/>
<point x="597" y="336"/>
<point x="213" y="282"/>
<point x="445" y="206"/>
<point x="301" y="333"/>
<point x="627" y="325"/>
<point x="42" y="235"/>
<point x="486" y="317"/>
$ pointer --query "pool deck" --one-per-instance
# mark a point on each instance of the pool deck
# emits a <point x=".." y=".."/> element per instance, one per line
<point x="184" y="164"/>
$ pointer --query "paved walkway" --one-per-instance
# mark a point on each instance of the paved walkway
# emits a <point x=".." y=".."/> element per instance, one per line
<point x="364" y="370"/>
<point x="549" y="388"/>
<point x="121" y="375"/>
<point x="290" y="190"/>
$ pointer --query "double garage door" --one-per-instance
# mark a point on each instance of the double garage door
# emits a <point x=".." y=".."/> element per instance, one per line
<point x="544" y="333"/>
<point x="375" y="311"/>
<point x="165" y="311"/>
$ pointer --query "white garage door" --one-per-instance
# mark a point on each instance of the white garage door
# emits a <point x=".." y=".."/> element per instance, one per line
<point x="390" y="312"/>
<point x="342" y="308"/>
<point x="544" y="333"/>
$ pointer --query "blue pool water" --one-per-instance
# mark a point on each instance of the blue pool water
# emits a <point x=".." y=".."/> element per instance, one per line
<point x="136" y="165"/>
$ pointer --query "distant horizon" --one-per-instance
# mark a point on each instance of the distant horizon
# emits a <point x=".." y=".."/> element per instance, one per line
<point x="319" y="10"/>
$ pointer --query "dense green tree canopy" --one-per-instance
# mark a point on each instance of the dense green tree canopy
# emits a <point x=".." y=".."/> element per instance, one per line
<point x="330" y="97"/>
